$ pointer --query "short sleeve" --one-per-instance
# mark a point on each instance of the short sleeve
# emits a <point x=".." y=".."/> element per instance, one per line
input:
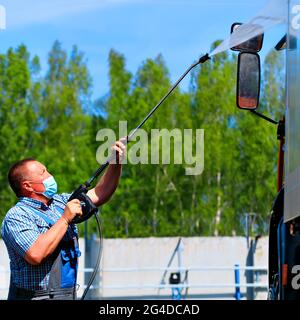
<point x="19" y="233"/>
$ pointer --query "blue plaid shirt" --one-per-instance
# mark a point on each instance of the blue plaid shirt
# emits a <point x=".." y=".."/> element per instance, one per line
<point x="20" y="229"/>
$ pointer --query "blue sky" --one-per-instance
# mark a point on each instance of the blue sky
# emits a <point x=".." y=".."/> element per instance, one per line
<point x="180" y="30"/>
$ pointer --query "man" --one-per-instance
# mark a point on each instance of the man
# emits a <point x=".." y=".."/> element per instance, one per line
<point x="38" y="232"/>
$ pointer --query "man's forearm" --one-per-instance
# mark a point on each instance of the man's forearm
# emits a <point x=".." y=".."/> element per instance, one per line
<point x="107" y="185"/>
<point x="46" y="243"/>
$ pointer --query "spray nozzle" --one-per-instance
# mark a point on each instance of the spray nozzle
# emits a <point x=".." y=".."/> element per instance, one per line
<point x="204" y="58"/>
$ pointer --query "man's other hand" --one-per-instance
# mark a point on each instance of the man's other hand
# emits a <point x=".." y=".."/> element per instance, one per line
<point x="72" y="209"/>
<point x="119" y="151"/>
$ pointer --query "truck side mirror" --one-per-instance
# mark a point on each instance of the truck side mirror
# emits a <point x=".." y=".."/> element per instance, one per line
<point x="254" y="44"/>
<point x="248" y="81"/>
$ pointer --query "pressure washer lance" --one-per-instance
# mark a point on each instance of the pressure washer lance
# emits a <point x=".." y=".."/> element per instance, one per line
<point x="88" y="208"/>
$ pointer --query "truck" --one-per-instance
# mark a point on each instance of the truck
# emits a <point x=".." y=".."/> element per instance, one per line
<point x="284" y="223"/>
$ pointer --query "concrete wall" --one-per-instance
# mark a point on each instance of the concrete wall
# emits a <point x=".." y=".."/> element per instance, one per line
<point x="196" y="252"/>
<point x="4" y="270"/>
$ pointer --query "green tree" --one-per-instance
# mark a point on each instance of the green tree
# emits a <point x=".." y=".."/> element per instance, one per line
<point x="214" y="111"/>
<point x="17" y="116"/>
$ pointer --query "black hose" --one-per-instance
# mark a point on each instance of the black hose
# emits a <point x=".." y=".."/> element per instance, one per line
<point x="96" y="268"/>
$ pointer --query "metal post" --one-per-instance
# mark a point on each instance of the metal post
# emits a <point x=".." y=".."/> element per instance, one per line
<point x="162" y="281"/>
<point x="180" y="266"/>
<point x="247" y="229"/>
<point x="176" y="295"/>
<point x="87" y="256"/>
<point x="86" y="253"/>
<point x="237" y="282"/>
<point x="179" y="253"/>
<point x="249" y="274"/>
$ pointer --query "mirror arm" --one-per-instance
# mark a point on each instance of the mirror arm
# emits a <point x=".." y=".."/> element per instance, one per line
<point x="264" y="117"/>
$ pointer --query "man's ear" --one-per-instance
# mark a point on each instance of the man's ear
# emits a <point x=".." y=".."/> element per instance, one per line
<point x="25" y="185"/>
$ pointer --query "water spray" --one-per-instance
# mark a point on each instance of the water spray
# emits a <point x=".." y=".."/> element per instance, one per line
<point x="274" y="13"/>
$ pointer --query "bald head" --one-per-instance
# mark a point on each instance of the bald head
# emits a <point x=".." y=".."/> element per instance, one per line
<point x="22" y="170"/>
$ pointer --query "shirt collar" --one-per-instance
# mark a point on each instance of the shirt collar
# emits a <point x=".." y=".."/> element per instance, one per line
<point x="35" y="203"/>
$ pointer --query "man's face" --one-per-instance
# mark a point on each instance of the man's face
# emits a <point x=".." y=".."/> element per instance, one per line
<point x="35" y="174"/>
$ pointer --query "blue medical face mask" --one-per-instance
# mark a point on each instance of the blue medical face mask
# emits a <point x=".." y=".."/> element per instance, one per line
<point x="50" y="187"/>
